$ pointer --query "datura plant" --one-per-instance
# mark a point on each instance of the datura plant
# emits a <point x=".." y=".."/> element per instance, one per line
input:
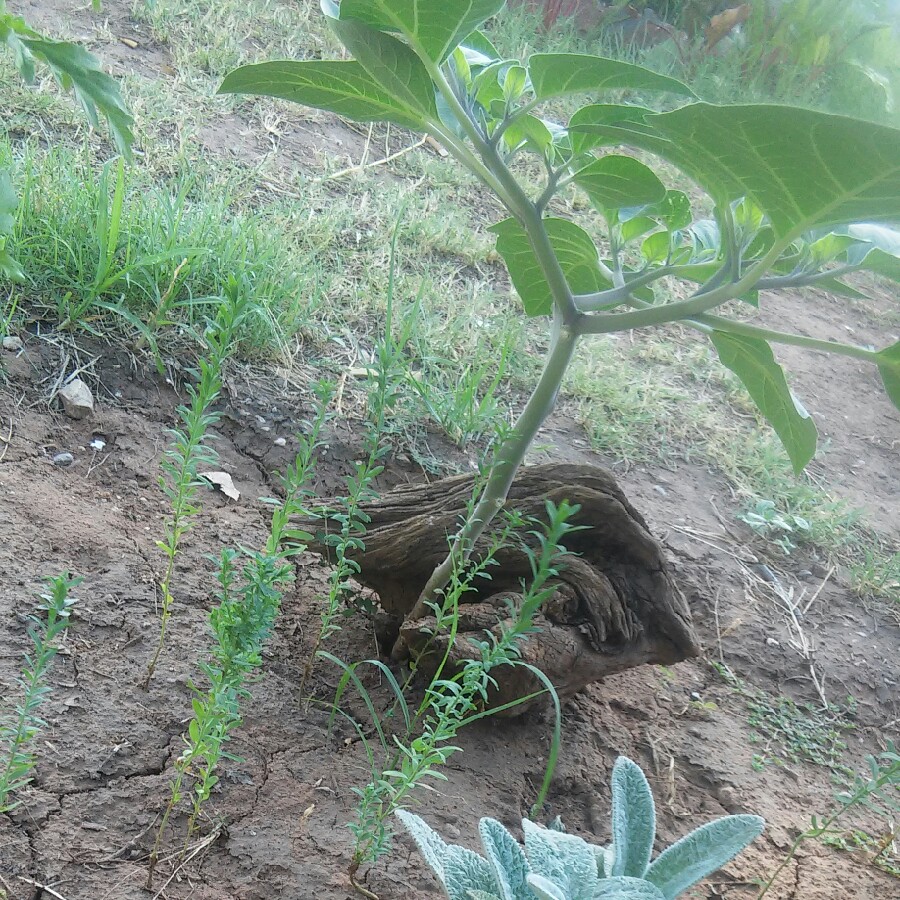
<point x="559" y="866"/>
<point x="798" y="197"/>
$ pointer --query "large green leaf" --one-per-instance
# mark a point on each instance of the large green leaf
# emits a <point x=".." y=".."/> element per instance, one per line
<point x="557" y="74"/>
<point x="889" y="368"/>
<point x="880" y="253"/>
<point x="75" y="68"/>
<point x="803" y="168"/>
<point x="392" y="65"/>
<point x="700" y="853"/>
<point x="574" y="249"/>
<point x="752" y="360"/>
<point x="613" y="182"/>
<point x="342" y="87"/>
<point x="436" y="26"/>
<point x="595" y="115"/>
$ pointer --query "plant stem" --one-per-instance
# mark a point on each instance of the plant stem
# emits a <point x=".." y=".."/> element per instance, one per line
<point x="508" y="457"/>
<point x="699" y="303"/>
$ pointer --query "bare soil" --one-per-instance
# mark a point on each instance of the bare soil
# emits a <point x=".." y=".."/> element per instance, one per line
<point x="278" y="815"/>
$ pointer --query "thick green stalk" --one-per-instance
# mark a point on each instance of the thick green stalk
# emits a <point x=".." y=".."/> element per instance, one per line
<point x="509" y="456"/>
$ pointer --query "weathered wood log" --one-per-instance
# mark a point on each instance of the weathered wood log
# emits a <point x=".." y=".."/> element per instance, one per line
<point x="616" y="605"/>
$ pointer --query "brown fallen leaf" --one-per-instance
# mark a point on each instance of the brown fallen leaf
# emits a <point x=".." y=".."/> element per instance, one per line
<point x="223" y="481"/>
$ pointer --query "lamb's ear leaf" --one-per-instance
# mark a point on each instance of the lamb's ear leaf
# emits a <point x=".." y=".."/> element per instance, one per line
<point x="544" y="889"/>
<point x="339" y="86"/>
<point x="889" y="369"/>
<point x="575" y="251"/>
<point x="431" y="845"/>
<point x="506" y="857"/>
<point x="623" y="887"/>
<point x="559" y="74"/>
<point x="752" y="360"/>
<point x="564" y="859"/>
<point x="701" y="853"/>
<point x="435" y="26"/>
<point x="633" y="819"/>
<point x="465" y="871"/>
<point x="75" y="68"/>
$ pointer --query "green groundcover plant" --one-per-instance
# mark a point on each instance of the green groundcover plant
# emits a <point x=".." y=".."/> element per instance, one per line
<point x="559" y="866"/>
<point x="798" y="198"/>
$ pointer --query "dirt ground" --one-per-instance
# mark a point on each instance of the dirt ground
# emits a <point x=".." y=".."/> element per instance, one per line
<point x="87" y="824"/>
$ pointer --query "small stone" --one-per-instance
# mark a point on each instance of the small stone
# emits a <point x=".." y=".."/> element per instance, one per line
<point x="77" y="399"/>
<point x="695" y="696"/>
<point x="280" y="442"/>
<point x="63" y="460"/>
<point x="12" y="343"/>
<point x="660" y="490"/>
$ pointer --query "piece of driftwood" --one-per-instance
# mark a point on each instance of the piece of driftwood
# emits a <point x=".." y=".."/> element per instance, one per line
<point x="616" y="605"/>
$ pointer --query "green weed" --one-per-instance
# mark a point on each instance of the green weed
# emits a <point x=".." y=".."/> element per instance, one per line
<point x="190" y="448"/>
<point x="875" y="572"/>
<point x="879" y="790"/>
<point x="19" y="730"/>
<point x="781" y="529"/>
<point x="452" y="700"/>
<point x="249" y="601"/>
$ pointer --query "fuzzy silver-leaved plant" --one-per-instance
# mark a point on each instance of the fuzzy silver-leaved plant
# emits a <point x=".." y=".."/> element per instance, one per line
<point x="557" y="866"/>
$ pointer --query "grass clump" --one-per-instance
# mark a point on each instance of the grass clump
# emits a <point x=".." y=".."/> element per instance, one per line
<point x="19" y="729"/>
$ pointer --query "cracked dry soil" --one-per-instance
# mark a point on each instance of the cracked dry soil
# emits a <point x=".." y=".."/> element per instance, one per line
<point x="278" y="815"/>
<point x="85" y="827"/>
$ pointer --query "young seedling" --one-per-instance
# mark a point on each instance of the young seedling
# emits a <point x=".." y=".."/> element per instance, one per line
<point x="880" y="791"/>
<point x="559" y="866"/>
<point x="190" y="450"/>
<point x="241" y="623"/>
<point x="451" y="702"/>
<point x="385" y="380"/>
<point x="19" y="730"/>
<point x="788" y="188"/>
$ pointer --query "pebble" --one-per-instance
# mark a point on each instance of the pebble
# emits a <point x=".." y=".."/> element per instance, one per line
<point x="12" y="343"/>
<point x="280" y="442"/>
<point x="660" y="490"/>
<point x="63" y="460"/>
<point x="77" y="399"/>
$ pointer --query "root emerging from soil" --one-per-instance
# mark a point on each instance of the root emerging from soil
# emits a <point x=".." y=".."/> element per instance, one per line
<point x="615" y="607"/>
